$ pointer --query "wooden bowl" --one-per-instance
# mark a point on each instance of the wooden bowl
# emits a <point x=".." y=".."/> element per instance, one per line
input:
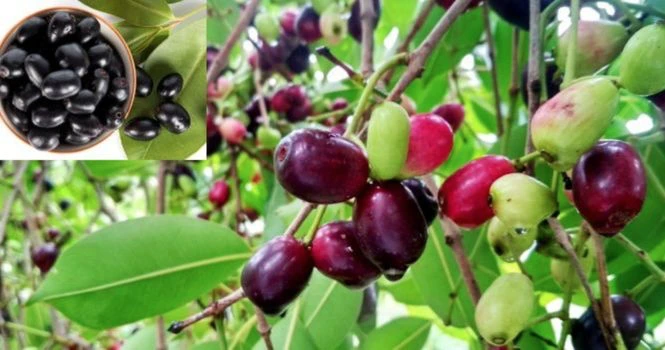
<point x="114" y="38"/>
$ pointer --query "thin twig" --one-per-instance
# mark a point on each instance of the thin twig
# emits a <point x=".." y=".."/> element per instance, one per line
<point x="420" y="56"/>
<point x="367" y="17"/>
<point x="417" y="24"/>
<point x="454" y="240"/>
<point x="263" y="327"/>
<point x="101" y="196"/>
<point x="491" y="50"/>
<point x="615" y="340"/>
<point x="533" y="80"/>
<point x="222" y="59"/>
<point x="217" y="307"/>
<point x="564" y="240"/>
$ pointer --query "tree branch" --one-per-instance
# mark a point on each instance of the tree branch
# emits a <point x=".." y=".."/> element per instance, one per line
<point x="217" y="307"/>
<point x="533" y="80"/>
<point x="419" y="57"/>
<point x="222" y="59"/>
<point x="367" y="17"/>
<point x="642" y="256"/>
<point x="263" y="327"/>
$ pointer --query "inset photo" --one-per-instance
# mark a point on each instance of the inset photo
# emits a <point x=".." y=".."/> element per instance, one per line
<point x="95" y="79"/>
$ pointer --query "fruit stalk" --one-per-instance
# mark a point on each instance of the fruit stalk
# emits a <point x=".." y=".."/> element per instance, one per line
<point x="221" y="60"/>
<point x="615" y="340"/>
<point x="367" y="16"/>
<point x="315" y="225"/>
<point x="262" y="103"/>
<point x="302" y="215"/>
<point x="564" y="241"/>
<point x="572" y="47"/>
<point x="491" y="50"/>
<point x="215" y="308"/>
<point x="640" y="254"/>
<point x="44" y="334"/>
<point x="419" y="57"/>
<point x="400" y="58"/>
<point x="417" y="24"/>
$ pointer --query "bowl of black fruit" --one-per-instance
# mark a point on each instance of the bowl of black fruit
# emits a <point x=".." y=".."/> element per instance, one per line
<point x="67" y="80"/>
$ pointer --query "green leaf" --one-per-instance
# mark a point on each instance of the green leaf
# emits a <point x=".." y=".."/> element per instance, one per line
<point x="37" y="317"/>
<point x="329" y="310"/>
<point x="183" y="52"/>
<point x="145" y="338"/>
<point x="120" y="273"/>
<point x="222" y="18"/>
<point x="142" y="40"/>
<point x="112" y="168"/>
<point x="138" y="12"/>
<point x="437" y="275"/>
<point x="289" y="333"/>
<point x="403" y="333"/>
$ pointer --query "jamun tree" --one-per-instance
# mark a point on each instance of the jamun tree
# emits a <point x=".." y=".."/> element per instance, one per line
<point x="382" y="175"/>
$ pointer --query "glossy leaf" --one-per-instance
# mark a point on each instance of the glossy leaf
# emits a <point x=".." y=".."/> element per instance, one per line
<point x="329" y="310"/>
<point x="119" y="274"/>
<point x="403" y="333"/>
<point x="142" y="40"/>
<point x="138" y="12"/>
<point x="183" y="52"/>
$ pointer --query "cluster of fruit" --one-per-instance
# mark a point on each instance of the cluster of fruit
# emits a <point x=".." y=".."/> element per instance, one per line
<point x="284" y="41"/>
<point x="62" y="84"/>
<point x="169" y="114"/>
<point x="392" y="210"/>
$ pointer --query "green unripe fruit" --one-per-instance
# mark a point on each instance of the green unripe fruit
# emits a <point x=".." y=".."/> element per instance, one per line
<point x="572" y="121"/>
<point x="507" y="243"/>
<point x="268" y="137"/>
<point x="598" y="44"/>
<point x="642" y="69"/>
<point x="333" y="25"/>
<point x="187" y="185"/>
<point x="560" y="268"/>
<point x="387" y="140"/>
<point x="321" y="5"/>
<point x="504" y="309"/>
<point x="267" y="26"/>
<point x="521" y="201"/>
